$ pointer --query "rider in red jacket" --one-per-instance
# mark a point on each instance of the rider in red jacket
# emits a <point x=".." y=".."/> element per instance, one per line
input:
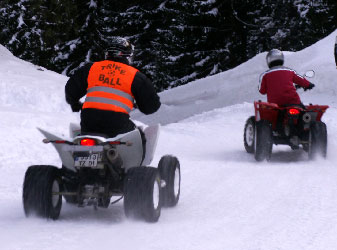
<point x="278" y="81"/>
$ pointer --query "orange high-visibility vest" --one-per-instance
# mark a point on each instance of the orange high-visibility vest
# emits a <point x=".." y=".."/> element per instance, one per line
<point x="109" y="87"/>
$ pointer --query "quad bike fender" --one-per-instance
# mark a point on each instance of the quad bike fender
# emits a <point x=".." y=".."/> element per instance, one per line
<point x="66" y="157"/>
<point x="74" y="130"/>
<point x="151" y="135"/>
<point x="131" y="155"/>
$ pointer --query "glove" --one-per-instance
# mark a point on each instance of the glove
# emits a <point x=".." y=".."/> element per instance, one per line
<point x="311" y="85"/>
<point x="76" y="107"/>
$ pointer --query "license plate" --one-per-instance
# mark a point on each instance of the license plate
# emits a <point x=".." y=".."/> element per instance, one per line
<point x="86" y="161"/>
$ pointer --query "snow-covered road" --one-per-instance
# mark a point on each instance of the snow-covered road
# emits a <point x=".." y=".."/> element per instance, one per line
<point x="228" y="200"/>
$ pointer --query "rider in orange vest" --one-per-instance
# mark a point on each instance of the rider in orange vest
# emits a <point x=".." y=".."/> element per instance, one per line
<point x="111" y="87"/>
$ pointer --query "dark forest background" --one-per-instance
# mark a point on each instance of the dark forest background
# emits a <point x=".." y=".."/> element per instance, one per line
<point x="176" y="41"/>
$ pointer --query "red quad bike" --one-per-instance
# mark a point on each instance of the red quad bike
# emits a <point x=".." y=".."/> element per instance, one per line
<point x="294" y="126"/>
<point x="299" y="127"/>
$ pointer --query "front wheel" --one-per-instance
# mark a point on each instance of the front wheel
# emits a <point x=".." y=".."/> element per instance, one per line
<point x="249" y="134"/>
<point x="142" y="193"/>
<point x="41" y="188"/>
<point x="169" y="169"/>
<point x="263" y="141"/>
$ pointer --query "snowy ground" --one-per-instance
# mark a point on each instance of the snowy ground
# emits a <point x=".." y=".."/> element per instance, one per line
<point x="228" y="200"/>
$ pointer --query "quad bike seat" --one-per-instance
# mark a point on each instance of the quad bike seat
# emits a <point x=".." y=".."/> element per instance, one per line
<point x="301" y="105"/>
<point x="94" y="134"/>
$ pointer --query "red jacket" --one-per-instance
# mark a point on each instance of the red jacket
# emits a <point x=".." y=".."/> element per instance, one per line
<point x="278" y="84"/>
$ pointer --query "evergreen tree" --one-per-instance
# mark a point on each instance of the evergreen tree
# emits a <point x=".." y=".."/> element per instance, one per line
<point x="193" y="40"/>
<point x="319" y="19"/>
<point x="35" y="30"/>
<point x="11" y="21"/>
<point x="176" y="41"/>
<point x="60" y="30"/>
<point x="86" y="45"/>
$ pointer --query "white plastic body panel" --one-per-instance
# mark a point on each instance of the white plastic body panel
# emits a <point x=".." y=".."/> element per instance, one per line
<point x="131" y="155"/>
<point x="66" y="157"/>
<point x="151" y="135"/>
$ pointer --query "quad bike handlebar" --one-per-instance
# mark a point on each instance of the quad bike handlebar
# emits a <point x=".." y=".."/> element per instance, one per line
<point x="311" y="86"/>
<point x="308" y="74"/>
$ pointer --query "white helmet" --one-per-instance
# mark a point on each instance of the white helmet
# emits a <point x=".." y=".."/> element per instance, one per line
<point x="275" y="57"/>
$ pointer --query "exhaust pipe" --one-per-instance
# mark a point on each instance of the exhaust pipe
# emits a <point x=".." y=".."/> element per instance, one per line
<point x="114" y="157"/>
<point x="306" y="117"/>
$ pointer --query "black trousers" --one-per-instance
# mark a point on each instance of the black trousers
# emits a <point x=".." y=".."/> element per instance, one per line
<point x="107" y="123"/>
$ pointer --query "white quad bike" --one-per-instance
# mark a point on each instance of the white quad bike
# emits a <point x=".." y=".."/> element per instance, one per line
<point x="96" y="168"/>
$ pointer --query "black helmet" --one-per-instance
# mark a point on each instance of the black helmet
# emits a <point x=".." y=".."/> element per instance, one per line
<point x="275" y="58"/>
<point x="119" y="47"/>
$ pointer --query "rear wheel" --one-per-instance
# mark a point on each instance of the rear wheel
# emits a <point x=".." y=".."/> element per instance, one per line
<point x="169" y="169"/>
<point x="317" y="140"/>
<point x="249" y="134"/>
<point x="41" y="188"/>
<point x="263" y="141"/>
<point x="142" y="193"/>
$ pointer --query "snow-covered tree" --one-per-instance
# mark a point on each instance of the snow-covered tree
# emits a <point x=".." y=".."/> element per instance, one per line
<point x="176" y="41"/>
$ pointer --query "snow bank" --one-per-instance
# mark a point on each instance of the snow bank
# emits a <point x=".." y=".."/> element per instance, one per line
<point x="240" y="84"/>
<point x="24" y="86"/>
